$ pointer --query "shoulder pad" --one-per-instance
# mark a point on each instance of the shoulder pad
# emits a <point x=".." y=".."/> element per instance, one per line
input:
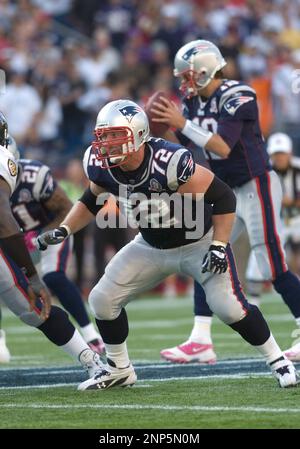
<point x="85" y="161"/>
<point x="44" y="184"/>
<point x="180" y="168"/>
<point x="235" y="92"/>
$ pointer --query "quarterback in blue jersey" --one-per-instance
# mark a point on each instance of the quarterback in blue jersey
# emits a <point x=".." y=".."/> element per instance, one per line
<point x="227" y="109"/>
<point x="126" y="161"/>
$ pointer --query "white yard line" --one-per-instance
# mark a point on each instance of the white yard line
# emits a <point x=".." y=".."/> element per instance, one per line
<point x="196" y="408"/>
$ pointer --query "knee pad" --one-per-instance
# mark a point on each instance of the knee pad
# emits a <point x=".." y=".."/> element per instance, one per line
<point x="101" y="305"/>
<point x="231" y="316"/>
<point x="15" y="299"/>
<point x="31" y="319"/>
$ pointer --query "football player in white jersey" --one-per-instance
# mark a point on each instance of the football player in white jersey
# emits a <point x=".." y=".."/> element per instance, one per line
<point x="37" y="203"/>
<point x="21" y="289"/>
<point x="125" y="161"/>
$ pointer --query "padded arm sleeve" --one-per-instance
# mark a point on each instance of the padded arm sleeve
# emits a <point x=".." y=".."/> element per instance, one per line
<point x="90" y="200"/>
<point x="221" y="196"/>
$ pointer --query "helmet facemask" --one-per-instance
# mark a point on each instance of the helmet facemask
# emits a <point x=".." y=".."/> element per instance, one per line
<point x="192" y="82"/>
<point x="113" y="150"/>
<point x="122" y="127"/>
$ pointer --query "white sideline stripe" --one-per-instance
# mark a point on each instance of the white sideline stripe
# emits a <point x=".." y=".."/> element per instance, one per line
<point x="163" y="379"/>
<point x="29" y="387"/>
<point x="28" y="357"/>
<point x="218" y="408"/>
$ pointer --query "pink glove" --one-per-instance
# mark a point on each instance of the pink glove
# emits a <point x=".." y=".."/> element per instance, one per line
<point x="30" y="238"/>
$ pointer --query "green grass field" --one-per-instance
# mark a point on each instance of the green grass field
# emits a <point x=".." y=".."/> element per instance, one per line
<point x="38" y="388"/>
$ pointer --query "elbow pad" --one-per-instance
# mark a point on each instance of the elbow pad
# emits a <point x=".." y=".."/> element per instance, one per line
<point x="90" y="200"/>
<point x="221" y="196"/>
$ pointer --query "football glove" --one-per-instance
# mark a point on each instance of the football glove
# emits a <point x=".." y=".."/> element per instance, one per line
<point x="215" y="260"/>
<point x="53" y="237"/>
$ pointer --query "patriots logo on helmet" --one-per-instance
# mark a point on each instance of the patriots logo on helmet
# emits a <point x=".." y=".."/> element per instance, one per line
<point x="129" y="112"/>
<point x="193" y="51"/>
<point x="233" y="104"/>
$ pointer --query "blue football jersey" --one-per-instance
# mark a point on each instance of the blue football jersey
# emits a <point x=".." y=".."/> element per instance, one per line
<point x="165" y="167"/>
<point x="34" y="187"/>
<point x="231" y="111"/>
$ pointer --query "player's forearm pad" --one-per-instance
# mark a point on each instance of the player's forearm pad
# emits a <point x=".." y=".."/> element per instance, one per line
<point x="15" y="248"/>
<point x="89" y="200"/>
<point x="221" y="196"/>
<point x="196" y="133"/>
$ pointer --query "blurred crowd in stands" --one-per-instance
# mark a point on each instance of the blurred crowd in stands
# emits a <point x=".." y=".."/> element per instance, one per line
<point x="64" y="59"/>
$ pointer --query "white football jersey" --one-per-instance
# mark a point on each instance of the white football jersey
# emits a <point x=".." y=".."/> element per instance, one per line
<point x="8" y="168"/>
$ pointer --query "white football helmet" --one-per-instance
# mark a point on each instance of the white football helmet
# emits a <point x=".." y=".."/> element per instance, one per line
<point x="122" y="127"/>
<point x="197" y="63"/>
<point x="12" y="147"/>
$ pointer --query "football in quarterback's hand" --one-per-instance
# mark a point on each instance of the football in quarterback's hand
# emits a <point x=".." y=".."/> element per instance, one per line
<point x="156" y="129"/>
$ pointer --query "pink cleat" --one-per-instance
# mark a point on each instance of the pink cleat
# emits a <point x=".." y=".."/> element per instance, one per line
<point x="189" y="352"/>
<point x="97" y="345"/>
<point x="293" y="353"/>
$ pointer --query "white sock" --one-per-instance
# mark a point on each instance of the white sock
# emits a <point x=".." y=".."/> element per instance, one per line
<point x="89" y="332"/>
<point x="297" y="321"/>
<point x="201" y="330"/>
<point x="118" y="354"/>
<point x="270" y="350"/>
<point x="75" y="346"/>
